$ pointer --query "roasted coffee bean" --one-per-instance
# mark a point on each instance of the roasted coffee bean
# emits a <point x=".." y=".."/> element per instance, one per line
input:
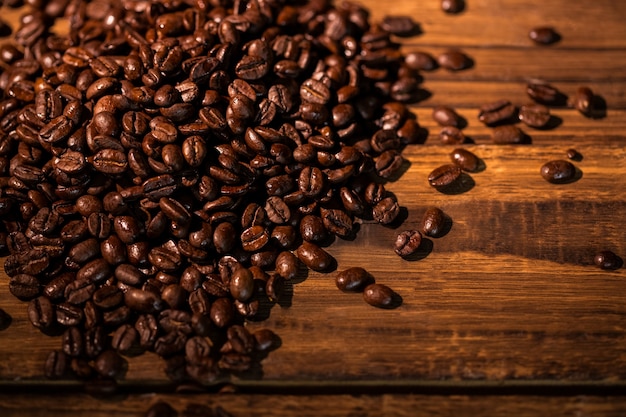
<point x="399" y="25"/>
<point x="544" y="35"/>
<point x="314" y="256"/>
<point x="287" y="265"/>
<point x="465" y="159"/>
<point x="535" y="115"/>
<point x="69" y="315"/>
<point x="407" y="242"/>
<point x="379" y="295"/>
<point x="452" y="6"/>
<point x="421" y="61"/>
<point x="222" y="313"/>
<point x="110" y="364"/>
<point x="386" y="210"/>
<point x="57" y="365"/>
<point x="444" y="176"/>
<point x="161" y="409"/>
<point x="497" y="112"/>
<point x="454" y="60"/>
<point x="508" y="135"/>
<point x="558" y="171"/>
<point x="24" y="286"/>
<point x="451" y="135"/>
<point x="353" y="279"/>
<point x="41" y="313"/>
<point x="608" y="260"/>
<point x="72" y="342"/>
<point x="241" y="284"/>
<point x="544" y="93"/>
<point x="583" y="101"/>
<point x="125" y="338"/>
<point x="446" y="116"/>
<point x="433" y="222"/>
<point x="275" y="287"/>
<point x="574" y="155"/>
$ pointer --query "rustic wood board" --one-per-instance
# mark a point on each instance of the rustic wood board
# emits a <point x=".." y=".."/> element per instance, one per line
<point x="510" y="293"/>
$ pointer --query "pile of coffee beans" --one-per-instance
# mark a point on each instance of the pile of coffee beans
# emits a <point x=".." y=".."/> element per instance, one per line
<point x="166" y="166"/>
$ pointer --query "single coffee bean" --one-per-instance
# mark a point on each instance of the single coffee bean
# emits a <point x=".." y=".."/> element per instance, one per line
<point x="497" y="112"/>
<point x="444" y="175"/>
<point x="57" y="365"/>
<point x="433" y="222"/>
<point x="420" y="61"/>
<point x="608" y="260"/>
<point x="583" y="101"/>
<point x="353" y="279"/>
<point x="465" y="159"/>
<point x="574" y="155"/>
<point x="451" y="135"/>
<point x="110" y="364"/>
<point x="72" y="342"/>
<point x="534" y="115"/>
<point x="558" y="171"/>
<point x="544" y="93"/>
<point x="399" y="25"/>
<point x="24" y="286"/>
<point x="544" y="35"/>
<point x="508" y="135"/>
<point x="161" y="409"/>
<point x="241" y="284"/>
<point x="386" y="210"/>
<point x="452" y="6"/>
<point x="379" y="295"/>
<point x="446" y="116"/>
<point x="41" y="313"/>
<point x="314" y="256"/>
<point x="454" y="60"/>
<point x="407" y="242"/>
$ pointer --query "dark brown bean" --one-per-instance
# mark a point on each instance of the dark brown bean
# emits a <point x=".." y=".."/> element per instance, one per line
<point x="444" y="175"/>
<point x="535" y="115"/>
<point x="407" y="242"/>
<point x="608" y="260"/>
<point x="544" y="35"/>
<point x="353" y="279"/>
<point x="465" y="159"/>
<point x="379" y="295"/>
<point x="558" y="171"/>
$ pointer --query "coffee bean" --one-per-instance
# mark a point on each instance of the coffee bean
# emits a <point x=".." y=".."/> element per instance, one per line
<point x="497" y="112"/>
<point x="110" y="364"/>
<point x="465" y="159"/>
<point x="608" y="260"/>
<point x="535" y="115"/>
<point x="446" y="116"/>
<point x="399" y="25"/>
<point x="379" y="295"/>
<point x="433" y="222"/>
<point x="407" y="242"/>
<point x="353" y="279"/>
<point x="574" y="155"/>
<point x="24" y="286"/>
<point x="386" y="210"/>
<point x="558" y="171"/>
<point x="454" y="60"/>
<point x="241" y="284"/>
<point x="161" y="409"/>
<point x="444" y="176"/>
<point x="452" y="6"/>
<point x="508" y="135"/>
<point x="544" y="35"/>
<point x="56" y="365"/>
<point x="583" y="101"/>
<point x="421" y="61"/>
<point x="544" y="93"/>
<point x="314" y="257"/>
<point x="451" y="135"/>
<point x="41" y="313"/>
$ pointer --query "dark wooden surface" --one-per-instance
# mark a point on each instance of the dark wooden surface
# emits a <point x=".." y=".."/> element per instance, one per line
<point x="509" y="295"/>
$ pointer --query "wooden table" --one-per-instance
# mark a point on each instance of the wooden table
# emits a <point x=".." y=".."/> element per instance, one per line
<point x="505" y="315"/>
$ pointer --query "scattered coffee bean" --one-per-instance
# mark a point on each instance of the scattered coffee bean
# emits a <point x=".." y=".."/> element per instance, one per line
<point x="379" y="295"/>
<point x="544" y="35"/>
<point x="161" y="409"/>
<point x="574" y="155"/>
<point x="607" y="259"/>
<point x="420" y="61"/>
<point x="446" y="116"/>
<point x="535" y="115"/>
<point x="497" y="112"/>
<point x="399" y="25"/>
<point x="544" y="93"/>
<point x="465" y="159"/>
<point x="583" y="101"/>
<point x="407" y="242"/>
<point x="451" y="135"/>
<point x="433" y="222"/>
<point x="444" y="176"/>
<point x="353" y="279"/>
<point x="558" y="171"/>
<point x="508" y="135"/>
<point x="454" y="60"/>
<point x="452" y="6"/>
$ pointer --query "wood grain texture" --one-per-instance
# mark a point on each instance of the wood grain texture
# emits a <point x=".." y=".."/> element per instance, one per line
<point x="510" y="293"/>
<point x="313" y="406"/>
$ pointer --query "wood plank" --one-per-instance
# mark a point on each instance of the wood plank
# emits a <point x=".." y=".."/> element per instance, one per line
<point x="391" y="405"/>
